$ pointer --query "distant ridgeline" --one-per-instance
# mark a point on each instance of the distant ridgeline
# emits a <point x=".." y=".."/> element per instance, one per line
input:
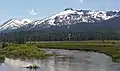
<point x="69" y="25"/>
<point x="106" y="30"/>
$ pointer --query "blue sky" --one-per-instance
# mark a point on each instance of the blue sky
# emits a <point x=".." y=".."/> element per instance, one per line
<point x="43" y="8"/>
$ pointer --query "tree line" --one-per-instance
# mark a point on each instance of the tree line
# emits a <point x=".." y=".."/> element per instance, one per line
<point x="26" y="36"/>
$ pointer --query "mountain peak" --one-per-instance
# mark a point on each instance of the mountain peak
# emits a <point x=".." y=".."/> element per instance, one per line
<point x="116" y="10"/>
<point x="72" y="16"/>
<point x="69" y="9"/>
<point x="67" y="17"/>
<point x="14" y="23"/>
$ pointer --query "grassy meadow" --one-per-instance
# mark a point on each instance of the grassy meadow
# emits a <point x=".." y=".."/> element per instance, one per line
<point x="32" y="50"/>
<point x="108" y="47"/>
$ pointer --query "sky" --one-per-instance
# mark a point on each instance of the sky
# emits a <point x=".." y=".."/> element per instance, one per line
<point x="38" y="9"/>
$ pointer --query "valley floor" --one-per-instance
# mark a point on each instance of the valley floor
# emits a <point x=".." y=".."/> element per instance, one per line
<point x="108" y="47"/>
<point x="33" y="49"/>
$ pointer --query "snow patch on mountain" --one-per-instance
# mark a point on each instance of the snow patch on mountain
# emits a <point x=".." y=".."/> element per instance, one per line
<point x="71" y="16"/>
<point x="65" y="18"/>
<point x="14" y="24"/>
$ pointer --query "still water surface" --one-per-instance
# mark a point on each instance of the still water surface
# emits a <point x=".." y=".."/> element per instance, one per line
<point x="69" y="61"/>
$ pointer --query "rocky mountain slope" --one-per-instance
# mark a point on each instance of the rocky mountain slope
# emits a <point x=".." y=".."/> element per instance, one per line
<point x="65" y="19"/>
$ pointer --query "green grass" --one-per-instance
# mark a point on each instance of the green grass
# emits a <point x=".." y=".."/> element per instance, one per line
<point x="32" y="50"/>
<point x="111" y="48"/>
<point x="23" y="51"/>
<point x="2" y="58"/>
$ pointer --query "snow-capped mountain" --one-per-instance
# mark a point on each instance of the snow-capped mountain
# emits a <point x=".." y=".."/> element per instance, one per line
<point x="14" y="24"/>
<point x="66" y="18"/>
<point x="71" y="16"/>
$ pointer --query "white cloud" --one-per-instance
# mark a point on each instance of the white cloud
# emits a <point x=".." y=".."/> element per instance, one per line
<point x="81" y="1"/>
<point x="32" y="12"/>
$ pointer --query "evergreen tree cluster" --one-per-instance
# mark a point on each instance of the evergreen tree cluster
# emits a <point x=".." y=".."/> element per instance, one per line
<point x="26" y="36"/>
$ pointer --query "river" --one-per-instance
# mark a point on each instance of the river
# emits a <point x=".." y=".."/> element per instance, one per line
<point x="70" y="60"/>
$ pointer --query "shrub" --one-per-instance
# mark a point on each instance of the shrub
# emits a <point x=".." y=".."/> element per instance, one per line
<point x="2" y="58"/>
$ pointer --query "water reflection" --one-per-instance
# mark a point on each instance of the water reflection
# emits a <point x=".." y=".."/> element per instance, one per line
<point x="73" y="61"/>
<point x="32" y="69"/>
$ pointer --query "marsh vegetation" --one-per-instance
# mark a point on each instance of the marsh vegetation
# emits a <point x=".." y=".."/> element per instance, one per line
<point x="32" y="50"/>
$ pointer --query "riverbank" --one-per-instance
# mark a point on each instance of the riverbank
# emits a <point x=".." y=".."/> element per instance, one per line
<point x="111" y="48"/>
<point x="23" y="52"/>
<point x="33" y="50"/>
